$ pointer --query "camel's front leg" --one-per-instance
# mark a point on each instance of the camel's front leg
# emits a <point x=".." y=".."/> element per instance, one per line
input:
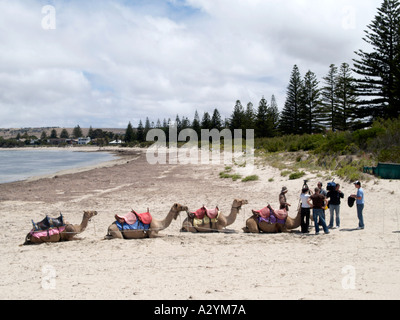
<point x="251" y="226"/>
<point x="114" y="233"/>
<point x="187" y="226"/>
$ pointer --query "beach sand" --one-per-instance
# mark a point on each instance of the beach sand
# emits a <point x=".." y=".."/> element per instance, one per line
<point x="346" y="264"/>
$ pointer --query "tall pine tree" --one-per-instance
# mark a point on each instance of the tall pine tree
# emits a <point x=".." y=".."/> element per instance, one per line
<point x="140" y="135"/>
<point x="273" y="117"/>
<point x="249" y="117"/>
<point x="206" y="121"/>
<point x="289" y="123"/>
<point x="262" y="125"/>
<point x="329" y="99"/>
<point x="379" y="85"/>
<point x="129" y="134"/>
<point x="196" y="126"/>
<point x="310" y="111"/>
<point x="346" y="116"/>
<point x="237" y="120"/>
<point x="216" y="121"/>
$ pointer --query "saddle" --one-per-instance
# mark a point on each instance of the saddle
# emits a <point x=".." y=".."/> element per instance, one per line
<point x="48" y="223"/>
<point x="271" y="216"/>
<point x="203" y="211"/>
<point x="132" y="217"/>
<point x="47" y="233"/>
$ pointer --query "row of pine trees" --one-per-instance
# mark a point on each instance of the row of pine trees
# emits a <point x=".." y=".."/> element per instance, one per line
<point x="347" y="98"/>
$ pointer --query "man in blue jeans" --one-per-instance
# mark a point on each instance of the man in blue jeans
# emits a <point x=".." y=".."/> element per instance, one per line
<point x="360" y="204"/>
<point x="318" y="202"/>
<point x="334" y="205"/>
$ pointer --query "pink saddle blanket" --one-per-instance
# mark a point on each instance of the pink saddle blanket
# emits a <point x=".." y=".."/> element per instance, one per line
<point x="132" y="216"/>
<point x="211" y="213"/>
<point x="47" y="233"/>
<point x="265" y="213"/>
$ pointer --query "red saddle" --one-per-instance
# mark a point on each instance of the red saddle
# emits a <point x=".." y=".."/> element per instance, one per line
<point x="265" y="213"/>
<point x="132" y="216"/>
<point x="211" y="213"/>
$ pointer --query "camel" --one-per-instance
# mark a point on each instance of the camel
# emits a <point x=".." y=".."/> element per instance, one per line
<point x="253" y="226"/>
<point x="71" y="230"/>
<point x="218" y="226"/>
<point x="155" y="226"/>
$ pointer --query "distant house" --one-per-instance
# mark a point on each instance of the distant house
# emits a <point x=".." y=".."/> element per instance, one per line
<point x="59" y="141"/>
<point x="84" y="140"/>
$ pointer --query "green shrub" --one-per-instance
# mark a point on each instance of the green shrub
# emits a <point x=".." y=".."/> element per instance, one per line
<point x="349" y="172"/>
<point x="251" y="178"/>
<point x="236" y="177"/>
<point x="285" y="173"/>
<point x="297" y="175"/>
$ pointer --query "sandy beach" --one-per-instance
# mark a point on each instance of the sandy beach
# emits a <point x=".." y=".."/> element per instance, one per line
<point x="346" y="264"/>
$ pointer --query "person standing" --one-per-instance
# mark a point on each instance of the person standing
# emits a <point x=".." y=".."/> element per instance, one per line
<point x="334" y="205"/>
<point x="283" y="204"/>
<point x="360" y="204"/>
<point x="317" y="201"/>
<point x="305" y="210"/>
<point x="323" y="192"/>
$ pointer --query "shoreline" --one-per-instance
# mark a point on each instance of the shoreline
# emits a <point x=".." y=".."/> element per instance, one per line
<point x="122" y="156"/>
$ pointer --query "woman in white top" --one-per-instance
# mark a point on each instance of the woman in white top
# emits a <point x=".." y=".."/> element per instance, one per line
<point x="305" y="210"/>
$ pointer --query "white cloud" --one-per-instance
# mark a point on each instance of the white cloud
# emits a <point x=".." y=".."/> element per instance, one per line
<point x="109" y="62"/>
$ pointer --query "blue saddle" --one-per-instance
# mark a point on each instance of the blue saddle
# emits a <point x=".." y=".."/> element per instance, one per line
<point x="138" y="225"/>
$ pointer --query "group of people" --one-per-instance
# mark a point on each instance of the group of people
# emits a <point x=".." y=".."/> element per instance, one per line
<point x="318" y="202"/>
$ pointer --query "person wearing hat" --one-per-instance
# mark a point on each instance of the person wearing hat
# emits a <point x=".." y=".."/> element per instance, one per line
<point x="360" y="204"/>
<point x="283" y="204"/>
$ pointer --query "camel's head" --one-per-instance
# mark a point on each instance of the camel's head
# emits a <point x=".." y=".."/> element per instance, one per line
<point x="238" y="203"/>
<point x="89" y="214"/>
<point x="178" y="208"/>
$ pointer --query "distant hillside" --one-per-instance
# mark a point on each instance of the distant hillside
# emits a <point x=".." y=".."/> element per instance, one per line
<point x="8" y="133"/>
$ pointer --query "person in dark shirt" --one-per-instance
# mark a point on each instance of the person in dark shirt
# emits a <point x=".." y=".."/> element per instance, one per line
<point x="334" y="205"/>
<point x="318" y="202"/>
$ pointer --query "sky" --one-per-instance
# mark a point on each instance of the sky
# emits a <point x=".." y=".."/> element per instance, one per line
<point x="106" y="63"/>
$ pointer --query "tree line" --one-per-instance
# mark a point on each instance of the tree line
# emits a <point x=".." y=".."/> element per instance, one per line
<point x="349" y="97"/>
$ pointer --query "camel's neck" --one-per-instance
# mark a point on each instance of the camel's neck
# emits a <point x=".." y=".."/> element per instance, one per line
<point x="84" y="224"/>
<point x="232" y="217"/>
<point x="168" y="219"/>
<point x="296" y="222"/>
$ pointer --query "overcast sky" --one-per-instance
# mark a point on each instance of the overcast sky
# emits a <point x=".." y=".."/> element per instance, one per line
<point x="105" y="63"/>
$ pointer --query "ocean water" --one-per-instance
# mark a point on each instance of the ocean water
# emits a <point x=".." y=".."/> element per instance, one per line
<point x="16" y="165"/>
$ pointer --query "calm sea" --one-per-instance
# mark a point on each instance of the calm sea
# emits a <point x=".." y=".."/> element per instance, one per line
<point x="16" y="165"/>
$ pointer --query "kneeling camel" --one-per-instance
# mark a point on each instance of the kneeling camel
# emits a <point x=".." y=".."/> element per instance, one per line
<point x="218" y="226"/>
<point x="67" y="233"/>
<point x="155" y="226"/>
